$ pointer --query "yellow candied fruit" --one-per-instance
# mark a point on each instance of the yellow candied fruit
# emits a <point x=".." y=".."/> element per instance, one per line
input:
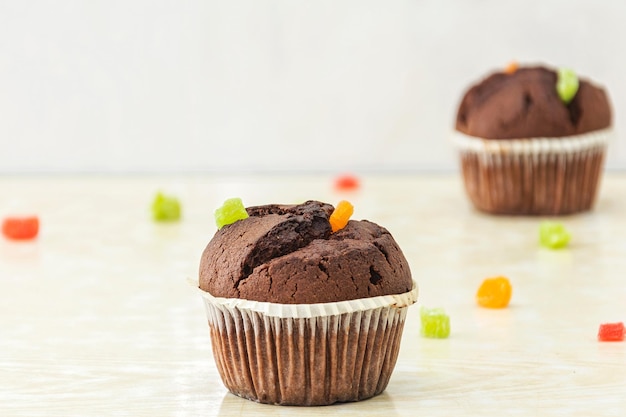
<point x="494" y="293"/>
<point x="339" y="218"/>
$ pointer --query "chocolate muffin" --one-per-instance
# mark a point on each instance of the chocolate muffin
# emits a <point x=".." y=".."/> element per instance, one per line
<point x="302" y="315"/>
<point x="526" y="150"/>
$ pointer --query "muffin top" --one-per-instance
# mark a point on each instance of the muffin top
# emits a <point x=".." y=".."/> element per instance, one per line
<point x="525" y="104"/>
<point x="288" y="254"/>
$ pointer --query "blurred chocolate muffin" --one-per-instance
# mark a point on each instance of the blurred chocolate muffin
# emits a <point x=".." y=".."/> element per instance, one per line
<point x="532" y="140"/>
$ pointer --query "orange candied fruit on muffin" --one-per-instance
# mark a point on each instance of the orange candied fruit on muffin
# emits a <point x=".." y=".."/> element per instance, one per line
<point x="511" y="67"/>
<point x="341" y="215"/>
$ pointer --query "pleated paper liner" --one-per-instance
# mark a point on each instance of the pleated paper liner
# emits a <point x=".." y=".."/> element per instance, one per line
<point x="536" y="176"/>
<point x="307" y="354"/>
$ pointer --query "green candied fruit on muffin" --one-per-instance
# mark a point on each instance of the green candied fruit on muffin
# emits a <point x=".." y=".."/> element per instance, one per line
<point x="566" y="84"/>
<point x="165" y="208"/>
<point x="553" y="235"/>
<point x="231" y="211"/>
<point x="435" y="323"/>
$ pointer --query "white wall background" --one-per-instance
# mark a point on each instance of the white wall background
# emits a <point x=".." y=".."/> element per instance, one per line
<point x="171" y="85"/>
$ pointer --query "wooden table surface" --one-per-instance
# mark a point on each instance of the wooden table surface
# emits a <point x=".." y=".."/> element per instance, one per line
<point x="97" y="317"/>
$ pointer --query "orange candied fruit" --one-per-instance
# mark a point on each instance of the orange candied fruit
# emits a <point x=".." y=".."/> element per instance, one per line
<point x="340" y="216"/>
<point x="511" y="67"/>
<point x="494" y="293"/>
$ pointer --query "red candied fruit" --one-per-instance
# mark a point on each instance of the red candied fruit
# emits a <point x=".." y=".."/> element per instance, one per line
<point x="611" y="332"/>
<point x="347" y="182"/>
<point x="20" y="228"/>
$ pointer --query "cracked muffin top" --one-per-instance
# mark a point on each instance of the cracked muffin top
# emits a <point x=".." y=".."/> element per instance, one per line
<point x="288" y="254"/>
<point x="525" y="104"/>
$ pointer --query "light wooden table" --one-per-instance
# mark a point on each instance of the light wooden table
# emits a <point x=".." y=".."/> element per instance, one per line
<point x="97" y="317"/>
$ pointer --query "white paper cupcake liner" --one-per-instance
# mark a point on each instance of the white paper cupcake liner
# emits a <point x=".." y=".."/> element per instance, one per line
<point x="538" y="176"/>
<point x="307" y="354"/>
<point x="533" y="146"/>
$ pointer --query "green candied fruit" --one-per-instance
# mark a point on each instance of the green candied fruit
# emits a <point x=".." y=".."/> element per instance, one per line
<point x="553" y="235"/>
<point x="165" y="208"/>
<point x="231" y="211"/>
<point x="435" y="323"/>
<point x="566" y="84"/>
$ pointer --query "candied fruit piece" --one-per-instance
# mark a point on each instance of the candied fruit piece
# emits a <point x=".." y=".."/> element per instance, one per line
<point x="340" y="216"/>
<point x="347" y="182"/>
<point x="165" y="208"/>
<point x="566" y="84"/>
<point x="511" y="67"/>
<point x="611" y="332"/>
<point x="231" y="211"/>
<point x="494" y="293"/>
<point x="553" y="235"/>
<point x="435" y="323"/>
<point x="20" y="228"/>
